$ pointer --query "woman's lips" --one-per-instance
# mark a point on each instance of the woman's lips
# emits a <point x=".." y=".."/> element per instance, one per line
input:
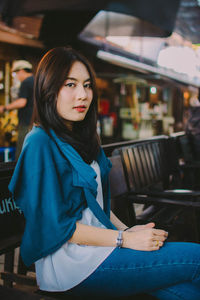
<point x="80" y="108"/>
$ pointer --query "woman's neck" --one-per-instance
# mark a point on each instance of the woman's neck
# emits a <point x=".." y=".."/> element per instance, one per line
<point x="69" y="125"/>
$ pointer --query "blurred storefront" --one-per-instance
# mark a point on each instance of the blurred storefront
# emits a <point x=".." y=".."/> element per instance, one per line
<point x="134" y="108"/>
<point x="145" y="96"/>
<point x="143" y="102"/>
<point x="8" y="121"/>
<point x="13" y="46"/>
<point x="139" y="94"/>
<point x="133" y="104"/>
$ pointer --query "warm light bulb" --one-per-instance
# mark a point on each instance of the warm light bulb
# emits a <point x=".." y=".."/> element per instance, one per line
<point x="153" y="90"/>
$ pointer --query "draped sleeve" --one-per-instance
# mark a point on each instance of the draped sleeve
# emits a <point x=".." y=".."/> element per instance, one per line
<point x="42" y="186"/>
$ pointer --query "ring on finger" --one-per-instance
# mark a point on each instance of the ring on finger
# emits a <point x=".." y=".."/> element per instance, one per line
<point x="157" y="243"/>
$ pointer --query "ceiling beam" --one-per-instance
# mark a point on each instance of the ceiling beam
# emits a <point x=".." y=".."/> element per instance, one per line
<point x="17" y="39"/>
<point x="142" y="67"/>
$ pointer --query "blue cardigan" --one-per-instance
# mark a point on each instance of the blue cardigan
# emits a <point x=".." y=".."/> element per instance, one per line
<point x="52" y="185"/>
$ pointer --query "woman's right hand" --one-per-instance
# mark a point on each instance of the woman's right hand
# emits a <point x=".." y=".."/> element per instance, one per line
<point x="147" y="239"/>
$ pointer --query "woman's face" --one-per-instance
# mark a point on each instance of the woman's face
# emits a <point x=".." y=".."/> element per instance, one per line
<point x="75" y="96"/>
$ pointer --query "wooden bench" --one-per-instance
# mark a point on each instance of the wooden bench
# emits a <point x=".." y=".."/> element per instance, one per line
<point x="11" y="221"/>
<point x="149" y="169"/>
<point x="12" y="226"/>
<point x="152" y="167"/>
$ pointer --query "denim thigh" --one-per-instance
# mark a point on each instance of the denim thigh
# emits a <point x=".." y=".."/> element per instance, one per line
<point x="127" y="272"/>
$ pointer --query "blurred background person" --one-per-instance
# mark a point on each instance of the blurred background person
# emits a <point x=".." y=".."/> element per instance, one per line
<point x="22" y="69"/>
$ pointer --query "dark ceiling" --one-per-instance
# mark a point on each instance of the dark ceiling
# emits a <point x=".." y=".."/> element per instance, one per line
<point x="63" y="20"/>
<point x="188" y="20"/>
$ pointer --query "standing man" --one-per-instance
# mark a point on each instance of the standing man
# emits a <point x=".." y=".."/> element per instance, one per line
<point x="24" y="103"/>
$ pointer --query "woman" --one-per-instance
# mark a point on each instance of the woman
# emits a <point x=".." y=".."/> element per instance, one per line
<point x="61" y="185"/>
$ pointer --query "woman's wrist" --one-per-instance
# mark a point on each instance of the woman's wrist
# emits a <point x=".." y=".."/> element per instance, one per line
<point x="120" y="237"/>
<point x="119" y="240"/>
<point x="125" y="237"/>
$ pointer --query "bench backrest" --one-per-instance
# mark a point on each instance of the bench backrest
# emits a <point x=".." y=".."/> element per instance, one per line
<point x="11" y="219"/>
<point x="120" y="204"/>
<point x="147" y="164"/>
<point x="118" y="185"/>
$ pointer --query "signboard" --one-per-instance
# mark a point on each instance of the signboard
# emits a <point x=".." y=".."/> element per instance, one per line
<point x="11" y="218"/>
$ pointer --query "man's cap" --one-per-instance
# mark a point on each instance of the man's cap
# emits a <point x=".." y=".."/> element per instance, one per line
<point x="20" y="65"/>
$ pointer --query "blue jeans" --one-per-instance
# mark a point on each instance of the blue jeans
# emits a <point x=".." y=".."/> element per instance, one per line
<point x="171" y="273"/>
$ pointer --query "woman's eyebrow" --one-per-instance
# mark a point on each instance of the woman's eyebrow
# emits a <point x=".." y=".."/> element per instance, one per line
<point x="72" y="78"/>
<point x="89" y="79"/>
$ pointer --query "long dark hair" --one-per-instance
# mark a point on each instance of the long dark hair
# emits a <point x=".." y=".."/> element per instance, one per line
<point x="51" y="74"/>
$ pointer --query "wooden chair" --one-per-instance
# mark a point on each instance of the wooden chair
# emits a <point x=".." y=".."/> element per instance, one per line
<point x="11" y="221"/>
<point x="120" y="204"/>
<point x="148" y="169"/>
<point x="122" y="198"/>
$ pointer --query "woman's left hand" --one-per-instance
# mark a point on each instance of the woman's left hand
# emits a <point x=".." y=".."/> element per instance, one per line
<point x="141" y="227"/>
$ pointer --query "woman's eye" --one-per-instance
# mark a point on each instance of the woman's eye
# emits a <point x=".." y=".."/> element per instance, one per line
<point x="88" y="85"/>
<point x="70" y="84"/>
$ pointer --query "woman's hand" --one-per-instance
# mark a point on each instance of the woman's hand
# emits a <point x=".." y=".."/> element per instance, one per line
<point x="141" y="227"/>
<point x="144" y="238"/>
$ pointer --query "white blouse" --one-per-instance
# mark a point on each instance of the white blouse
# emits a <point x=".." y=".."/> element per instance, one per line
<point x="72" y="263"/>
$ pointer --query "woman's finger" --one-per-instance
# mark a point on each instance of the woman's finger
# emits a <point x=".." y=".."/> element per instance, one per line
<point x="159" y="238"/>
<point x="160" y="232"/>
<point x="157" y="245"/>
<point x="149" y="225"/>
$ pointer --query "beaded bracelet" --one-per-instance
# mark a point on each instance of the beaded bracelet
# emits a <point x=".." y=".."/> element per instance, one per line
<point x="119" y="240"/>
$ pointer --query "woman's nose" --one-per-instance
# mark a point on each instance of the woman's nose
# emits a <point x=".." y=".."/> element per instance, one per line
<point x="81" y="93"/>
